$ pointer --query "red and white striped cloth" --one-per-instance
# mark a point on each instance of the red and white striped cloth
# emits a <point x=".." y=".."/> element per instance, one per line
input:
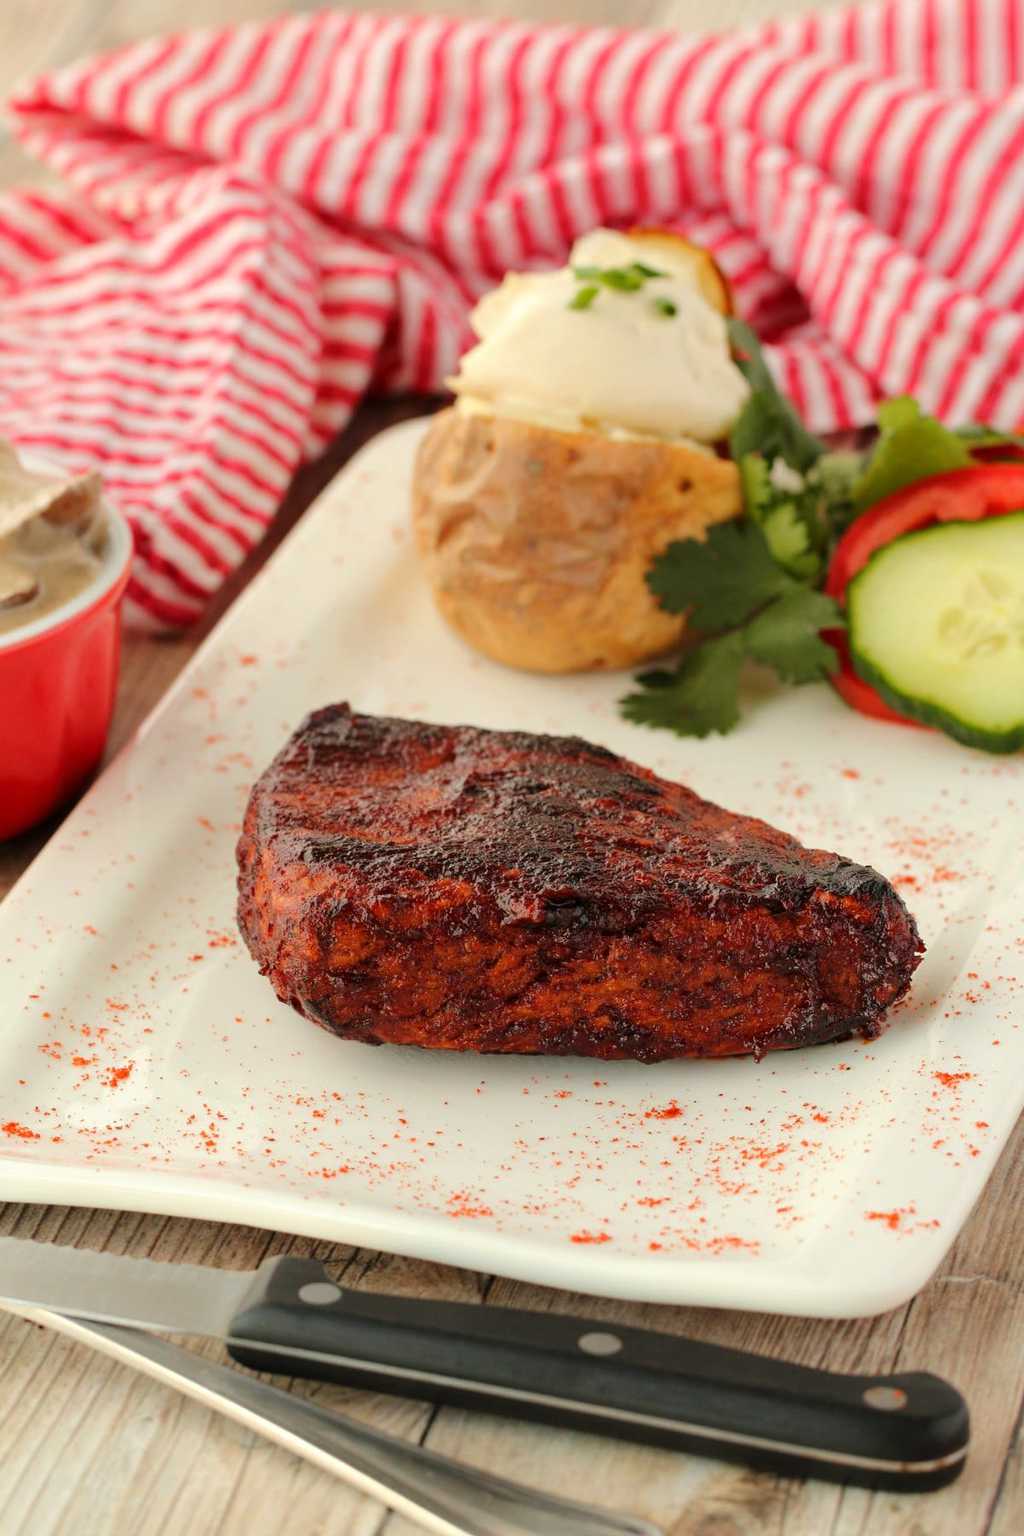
<point x="263" y="223"/>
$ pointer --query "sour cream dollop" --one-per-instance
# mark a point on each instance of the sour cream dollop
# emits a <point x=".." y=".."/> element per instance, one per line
<point x="654" y="362"/>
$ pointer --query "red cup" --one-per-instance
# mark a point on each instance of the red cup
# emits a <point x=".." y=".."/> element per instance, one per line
<point x="58" y="679"/>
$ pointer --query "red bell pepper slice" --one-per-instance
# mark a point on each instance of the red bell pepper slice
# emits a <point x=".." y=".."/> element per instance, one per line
<point x="961" y="495"/>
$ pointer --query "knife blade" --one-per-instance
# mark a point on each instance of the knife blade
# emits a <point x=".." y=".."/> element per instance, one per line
<point x="908" y="1431"/>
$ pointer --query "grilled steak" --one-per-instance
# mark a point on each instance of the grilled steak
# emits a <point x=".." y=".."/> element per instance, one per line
<point x="475" y="890"/>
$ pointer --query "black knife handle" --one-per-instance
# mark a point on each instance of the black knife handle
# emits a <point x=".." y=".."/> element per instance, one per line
<point x="908" y="1432"/>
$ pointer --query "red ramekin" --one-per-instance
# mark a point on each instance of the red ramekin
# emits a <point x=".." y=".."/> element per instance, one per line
<point x="58" y="679"/>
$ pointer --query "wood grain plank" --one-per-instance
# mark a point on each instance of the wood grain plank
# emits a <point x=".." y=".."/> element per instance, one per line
<point x="38" y="34"/>
<point x="970" y="1347"/>
<point x="693" y="16"/>
<point x="1007" y="1516"/>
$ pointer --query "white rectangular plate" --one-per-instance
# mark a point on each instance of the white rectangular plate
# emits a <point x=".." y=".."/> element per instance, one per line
<point x="145" y="1064"/>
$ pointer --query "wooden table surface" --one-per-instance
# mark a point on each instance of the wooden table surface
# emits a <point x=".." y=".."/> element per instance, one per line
<point x="88" y="1448"/>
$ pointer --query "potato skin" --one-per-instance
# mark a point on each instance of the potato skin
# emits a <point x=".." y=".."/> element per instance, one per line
<point x="536" y="542"/>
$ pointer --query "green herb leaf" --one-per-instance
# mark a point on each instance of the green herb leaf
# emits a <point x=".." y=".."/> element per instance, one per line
<point x="749" y="356"/>
<point x="720" y="581"/>
<point x="765" y="426"/>
<point x="910" y="447"/>
<point x="835" y="475"/>
<point x="768" y="423"/>
<point x="665" y="307"/>
<point x="755" y="482"/>
<point x="658" y="677"/>
<point x="623" y="279"/>
<point x="785" y="529"/>
<point x="627" y="279"/>
<point x="786" y="635"/>
<point x="976" y="435"/>
<point x="583" y="297"/>
<point x="787" y="520"/>
<point x="701" y="696"/>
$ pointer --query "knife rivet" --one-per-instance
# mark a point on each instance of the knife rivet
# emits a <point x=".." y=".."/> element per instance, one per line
<point x="886" y="1398"/>
<point x="599" y="1343"/>
<point x="319" y="1293"/>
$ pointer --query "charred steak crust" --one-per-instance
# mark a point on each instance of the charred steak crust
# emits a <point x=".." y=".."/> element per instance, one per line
<point x="476" y="890"/>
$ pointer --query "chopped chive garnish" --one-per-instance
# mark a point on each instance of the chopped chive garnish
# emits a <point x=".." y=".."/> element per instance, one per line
<point x="622" y="278"/>
<point x="665" y="307"/>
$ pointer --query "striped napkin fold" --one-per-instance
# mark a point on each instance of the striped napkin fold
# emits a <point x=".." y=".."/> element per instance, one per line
<point x="261" y="224"/>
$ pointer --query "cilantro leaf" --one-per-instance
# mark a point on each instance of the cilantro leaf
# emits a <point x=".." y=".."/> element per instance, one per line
<point x="835" y="474"/>
<point x="789" y="541"/>
<point x="977" y="435"/>
<point x="910" y="447"/>
<point x="756" y="484"/>
<point x="785" y="518"/>
<point x="721" y="581"/>
<point x="701" y="696"/>
<point x="749" y="356"/>
<point x="768" y="424"/>
<point x="657" y="677"/>
<point x="786" y="636"/>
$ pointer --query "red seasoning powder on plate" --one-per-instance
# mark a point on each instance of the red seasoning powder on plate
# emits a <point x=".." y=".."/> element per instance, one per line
<point x="670" y="1111"/>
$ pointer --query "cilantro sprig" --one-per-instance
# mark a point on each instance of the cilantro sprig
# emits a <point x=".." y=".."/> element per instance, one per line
<point x="749" y="588"/>
<point x="700" y="696"/>
<point x="768" y="425"/>
<point x="745" y="604"/>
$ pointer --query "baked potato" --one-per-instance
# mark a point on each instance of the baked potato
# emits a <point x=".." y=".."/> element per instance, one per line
<point x="581" y="444"/>
<point x="536" y="542"/>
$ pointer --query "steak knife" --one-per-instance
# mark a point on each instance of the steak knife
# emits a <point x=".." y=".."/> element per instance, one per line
<point x="907" y="1431"/>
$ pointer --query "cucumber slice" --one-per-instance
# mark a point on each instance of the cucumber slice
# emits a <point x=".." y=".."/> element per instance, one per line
<point x="936" y="624"/>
